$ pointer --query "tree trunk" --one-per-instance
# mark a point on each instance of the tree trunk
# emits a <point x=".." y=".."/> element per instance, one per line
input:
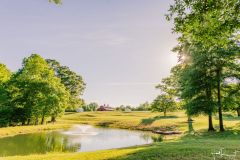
<point x="23" y="123"/>
<point x="210" y="100"/>
<point x="36" y="121"/>
<point x="43" y="120"/>
<point x="190" y="119"/>
<point x="238" y="111"/>
<point x="190" y="127"/>
<point x="28" y="122"/>
<point x="210" y="123"/>
<point x="165" y="113"/>
<point x="53" y="119"/>
<point x="219" y="100"/>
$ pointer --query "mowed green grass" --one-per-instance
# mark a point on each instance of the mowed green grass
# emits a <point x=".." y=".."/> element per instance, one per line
<point x="185" y="147"/>
<point x="146" y="120"/>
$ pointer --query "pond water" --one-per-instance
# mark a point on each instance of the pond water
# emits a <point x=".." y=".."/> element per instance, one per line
<point x="80" y="138"/>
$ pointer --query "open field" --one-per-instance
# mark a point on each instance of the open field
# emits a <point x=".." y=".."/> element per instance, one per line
<point x="130" y="120"/>
<point x="11" y="131"/>
<point x="185" y="147"/>
<point x="145" y="120"/>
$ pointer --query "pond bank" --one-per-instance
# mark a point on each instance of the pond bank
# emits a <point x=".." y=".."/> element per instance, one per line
<point x="79" y="138"/>
<point x="12" y="131"/>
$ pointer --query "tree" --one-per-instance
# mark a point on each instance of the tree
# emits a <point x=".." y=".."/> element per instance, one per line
<point x="92" y="106"/>
<point x="56" y="1"/>
<point x="5" y="109"/>
<point x="72" y="81"/>
<point x="166" y="100"/>
<point x="163" y="103"/>
<point x="5" y="74"/>
<point x="214" y="25"/>
<point x="36" y="92"/>
<point x="231" y="96"/>
<point x="143" y="107"/>
<point x="121" y="108"/>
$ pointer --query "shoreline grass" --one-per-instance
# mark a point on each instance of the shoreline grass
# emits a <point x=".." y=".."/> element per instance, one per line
<point x="12" y="131"/>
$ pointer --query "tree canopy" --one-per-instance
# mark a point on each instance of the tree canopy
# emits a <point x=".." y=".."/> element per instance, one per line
<point x="36" y="92"/>
<point x="72" y="81"/>
<point x="56" y="1"/>
<point x="208" y="52"/>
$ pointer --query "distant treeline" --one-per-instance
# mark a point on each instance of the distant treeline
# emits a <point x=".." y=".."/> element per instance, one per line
<point x="142" y="107"/>
<point x="40" y="89"/>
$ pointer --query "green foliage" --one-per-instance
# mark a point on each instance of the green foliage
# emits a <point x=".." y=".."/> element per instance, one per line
<point x="5" y="110"/>
<point x="143" y="107"/>
<point x="35" y="92"/>
<point x="121" y="108"/>
<point x="166" y="100"/>
<point x="164" y="103"/>
<point x="5" y="74"/>
<point x="210" y="22"/>
<point x="208" y="52"/>
<point x="72" y="81"/>
<point x="90" y="107"/>
<point x="56" y="1"/>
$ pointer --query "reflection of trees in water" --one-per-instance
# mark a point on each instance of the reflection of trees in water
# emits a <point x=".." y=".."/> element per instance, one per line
<point x="146" y="136"/>
<point x="151" y="136"/>
<point x="36" y="143"/>
<point x="157" y="138"/>
<point x="58" y="143"/>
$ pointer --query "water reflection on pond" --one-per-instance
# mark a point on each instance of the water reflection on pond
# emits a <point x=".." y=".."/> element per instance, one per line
<point x="77" y="139"/>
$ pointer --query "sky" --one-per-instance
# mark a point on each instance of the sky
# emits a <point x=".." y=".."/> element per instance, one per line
<point x="121" y="48"/>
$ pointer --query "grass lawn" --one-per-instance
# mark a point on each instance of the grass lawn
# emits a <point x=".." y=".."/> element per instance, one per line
<point x="11" y="131"/>
<point x="146" y="120"/>
<point x="185" y="147"/>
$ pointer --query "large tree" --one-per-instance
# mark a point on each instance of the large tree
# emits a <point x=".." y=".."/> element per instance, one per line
<point x="72" y="81"/>
<point x="5" y="109"/>
<point x="197" y="83"/>
<point x="164" y="103"/>
<point x="36" y="92"/>
<point x="214" y="25"/>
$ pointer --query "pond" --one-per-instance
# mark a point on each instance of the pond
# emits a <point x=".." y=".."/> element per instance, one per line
<point x="80" y="138"/>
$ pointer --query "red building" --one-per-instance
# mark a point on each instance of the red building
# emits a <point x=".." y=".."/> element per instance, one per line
<point x="105" y="108"/>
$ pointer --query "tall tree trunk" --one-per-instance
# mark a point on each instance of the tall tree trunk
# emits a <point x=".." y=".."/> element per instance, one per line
<point x="36" y="121"/>
<point x="219" y="100"/>
<point x="190" y="127"/>
<point x="165" y="113"/>
<point x="28" y="121"/>
<point x="43" y="120"/>
<point x="238" y="111"/>
<point x="210" y="100"/>
<point x="53" y="119"/>
<point x="23" y="123"/>
<point x="210" y="123"/>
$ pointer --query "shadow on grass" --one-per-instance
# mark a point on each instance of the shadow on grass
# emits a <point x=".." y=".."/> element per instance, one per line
<point x="151" y="120"/>
<point x="105" y="124"/>
<point x="68" y="113"/>
<point x="89" y="115"/>
<point x="229" y="117"/>
<point x="188" y="147"/>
